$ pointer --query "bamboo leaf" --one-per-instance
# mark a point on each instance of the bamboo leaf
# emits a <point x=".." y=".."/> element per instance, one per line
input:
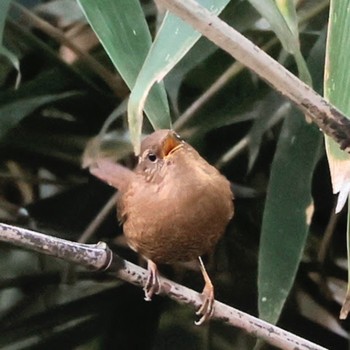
<point x="282" y="17"/>
<point x="289" y="206"/>
<point x="122" y="29"/>
<point x="336" y="87"/>
<point x="289" y="13"/>
<point x="4" y="7"/>
<point x="12" y="113"/>
<point x="270" y="11"/>
<point x="287" y="214"/>
<point x="174" y="39"/>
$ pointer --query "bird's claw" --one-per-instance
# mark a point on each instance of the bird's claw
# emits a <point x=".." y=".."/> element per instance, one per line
<point x="207" y="308"/>
<point x="152" y="285"/>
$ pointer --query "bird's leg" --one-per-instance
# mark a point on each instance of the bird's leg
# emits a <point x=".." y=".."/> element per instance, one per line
<point x="152" y="285"/>
<point x="207" y="308"/>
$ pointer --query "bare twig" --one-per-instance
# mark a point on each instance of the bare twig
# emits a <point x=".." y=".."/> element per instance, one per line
<point x="331" y="121"/>
<point x="234" y="70"/>
<point x="97" y="221"/>
<point x="38" y="180"/>
<point x="24" y="187"/>
<point x="100" y="257"/>
<point x="96" y="256"/>
<point x="108" y="77"/>
<point x="223" y="80"/>
<point x="328" y="235"/>
<point x="27" y="38"/>
<point x="246" y="140"/>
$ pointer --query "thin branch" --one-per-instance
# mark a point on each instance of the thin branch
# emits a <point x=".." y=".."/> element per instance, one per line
<point x="331" y="121"/>
<point x="100" y="257"/>
<point x="220" y="83"/>
<point x="96" y="256"/>
<point x="239" y="147"/>
<point x="328" y="234"/>
<point x="108" y="77"/>
<point x="234" y="70"/>
<point x="233" y="152"/>
<point x="38" y="180"/>
<point x="97" y="221"/>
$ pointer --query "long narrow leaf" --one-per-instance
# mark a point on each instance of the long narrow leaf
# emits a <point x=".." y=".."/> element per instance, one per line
<point x="174" y="39"/>
<point x="4" y="7"/>
<point x="287" y="214"/>
<point x="336" y="88"/>
<point x="289" y="206"/>
<point x="123" y="31"/>
<point x="281" y="15"/>
<point x="12" y="113"/>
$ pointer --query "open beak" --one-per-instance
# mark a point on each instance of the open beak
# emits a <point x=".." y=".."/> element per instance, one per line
<point x="170" y="145"/>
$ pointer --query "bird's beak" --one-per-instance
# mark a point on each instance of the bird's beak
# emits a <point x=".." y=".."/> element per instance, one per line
<point x="170" y="145"/>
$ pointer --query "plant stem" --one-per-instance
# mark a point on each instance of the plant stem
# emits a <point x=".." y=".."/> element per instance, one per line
<point x="330" y="120"/>
<point x="108" y="77"/>
<point x="100" y="257"/>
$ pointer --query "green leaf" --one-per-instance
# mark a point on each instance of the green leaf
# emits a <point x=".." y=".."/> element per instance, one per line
<point x="273" y="108"/>
<point x="289" y="13"/>
<point x="336" y="88"/>
<point x="12" y="113"/>
<point x="346" y="304"/>
<point x="239" y="15"/>
<point x="4" y="7"/>
<point x="68" y="11"/>
<point x="123" y="32"/>
<point x="174" y="39"/>
<point x="287" y="214"/>
<point x="289" y="206"/>
<point x="281" y="15"/>
<point x="270" y="11"/>
<point x="337" y="81"/>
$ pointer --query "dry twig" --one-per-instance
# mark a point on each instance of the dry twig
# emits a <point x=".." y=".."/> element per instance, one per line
<point x="108" y="77"/>
<point x="100" y="257"/>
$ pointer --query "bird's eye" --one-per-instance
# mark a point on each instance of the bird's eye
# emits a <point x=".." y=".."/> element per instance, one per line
<point x="152" y="157"/>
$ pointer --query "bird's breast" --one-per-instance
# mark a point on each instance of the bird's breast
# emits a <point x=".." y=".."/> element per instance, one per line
<point x="179" y="217"/>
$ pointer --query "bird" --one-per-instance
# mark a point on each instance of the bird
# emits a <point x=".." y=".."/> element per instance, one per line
<point x="174" y="207"/>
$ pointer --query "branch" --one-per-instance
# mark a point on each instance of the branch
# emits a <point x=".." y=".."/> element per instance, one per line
<point x="100" y="257"/>
<point x="331" y="121"/>
<point x="107" y="76"/>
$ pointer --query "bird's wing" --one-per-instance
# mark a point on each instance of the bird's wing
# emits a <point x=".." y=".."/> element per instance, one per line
<point x="114" y="174"/>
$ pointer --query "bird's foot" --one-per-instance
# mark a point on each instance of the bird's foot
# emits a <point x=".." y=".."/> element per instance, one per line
<point x="152" y="285"/>
<point x="207" y="308"/>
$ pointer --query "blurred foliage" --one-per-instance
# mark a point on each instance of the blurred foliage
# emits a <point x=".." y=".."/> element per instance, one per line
<point x="336" y="85"/>
<point x="273" y="157"/>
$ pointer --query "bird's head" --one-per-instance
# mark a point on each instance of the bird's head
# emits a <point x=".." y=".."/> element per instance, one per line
<point x="157" y="148"/>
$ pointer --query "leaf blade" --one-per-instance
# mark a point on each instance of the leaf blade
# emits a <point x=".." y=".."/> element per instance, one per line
<point x="288" y="208"/>
<point x="336" y="87"/>
<point x="281" y="15"/>
<point x="174" y="39"/>
<point x="12" y="113"/>
<point x="287" y="214"/>
<point x="4" y="8"/>
<point x="123" y="32"/>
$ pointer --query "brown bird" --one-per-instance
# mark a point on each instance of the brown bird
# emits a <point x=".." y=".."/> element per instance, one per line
<point x="174" y="206"/>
